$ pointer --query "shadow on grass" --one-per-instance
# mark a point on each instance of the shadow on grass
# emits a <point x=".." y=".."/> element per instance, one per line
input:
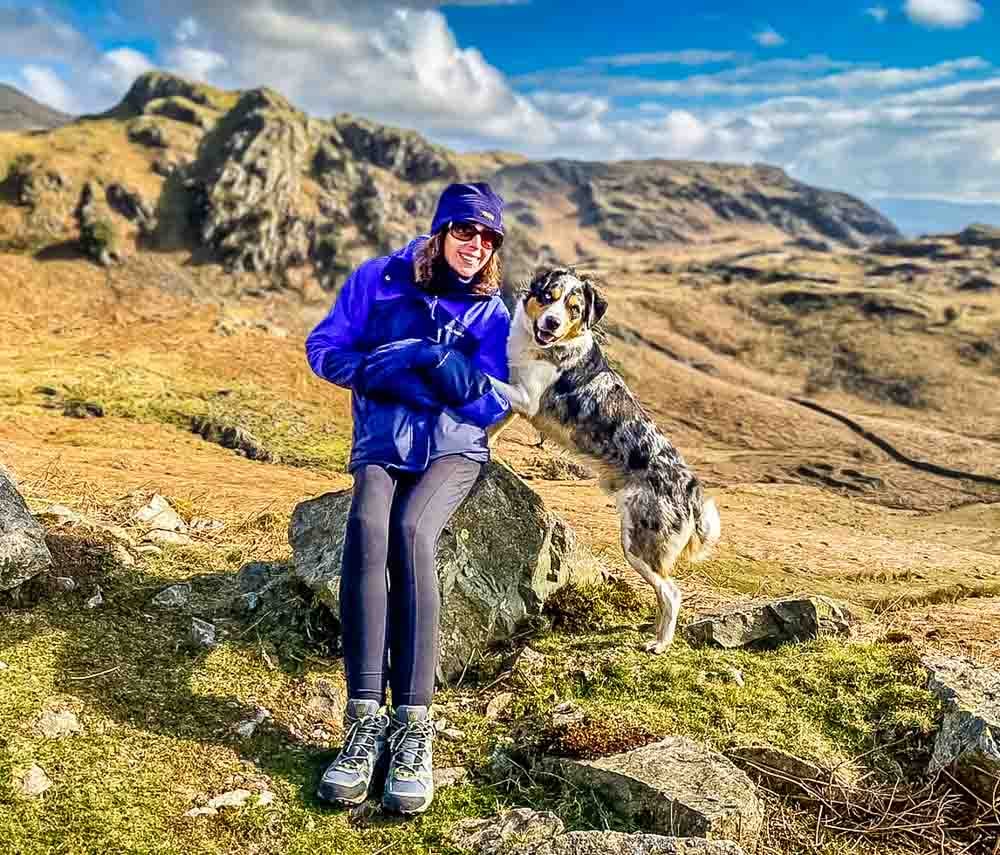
<point x="136" y="662"/>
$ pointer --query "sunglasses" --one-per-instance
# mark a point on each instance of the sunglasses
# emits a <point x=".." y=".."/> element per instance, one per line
<point x="468" y="231"/>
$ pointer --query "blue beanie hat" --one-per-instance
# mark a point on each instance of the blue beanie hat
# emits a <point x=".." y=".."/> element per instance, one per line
<point x="469" y="203"/>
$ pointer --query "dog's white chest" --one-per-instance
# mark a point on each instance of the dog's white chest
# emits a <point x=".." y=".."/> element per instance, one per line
<point x="534" y="378"/>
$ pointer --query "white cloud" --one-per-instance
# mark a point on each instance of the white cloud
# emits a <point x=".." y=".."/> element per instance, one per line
<point x="768" y="37"/>
<point x="34" y="34"/>
<point x="943" y="13"/>
<point x="879" y="13"/>
<point x="117" y="69"/>
<point x="186" y="30"/>
<point x="198" y="63"/>
<point x="43" y="84"/>
<point x="680" y="57"/>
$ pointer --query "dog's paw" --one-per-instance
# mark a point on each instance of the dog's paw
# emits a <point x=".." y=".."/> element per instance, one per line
<point x="656" y="647"/>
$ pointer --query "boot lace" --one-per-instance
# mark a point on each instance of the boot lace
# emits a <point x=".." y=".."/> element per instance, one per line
<point x="410" y="746"/>
<point x="361" y="741"/>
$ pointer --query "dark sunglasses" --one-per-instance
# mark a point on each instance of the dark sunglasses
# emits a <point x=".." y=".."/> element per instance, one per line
<point x="468" y="231"/>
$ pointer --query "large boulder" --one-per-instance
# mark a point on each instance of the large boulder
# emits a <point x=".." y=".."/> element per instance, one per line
<point x="768" y="623"/>
<point x="23" y="553"/>
<point x="498" y="559"/>
<point x="674" y="787"/>
<point x="526" y="832"/>
<point x="969" y="739"/>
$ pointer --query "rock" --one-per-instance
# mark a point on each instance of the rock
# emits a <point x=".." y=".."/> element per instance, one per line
<point x="173" y="597"/>
<point x="232" y="799"/>
<point x="231" y="436"/>
<point x="131" y="205"/>
<point x="969" y="738"/>
<point x="498" y="704"/>
<point x="98" y="236"/>
<point x="764" y="624"/>
<point x="55" y="724"/>
<point x="450" y="777"/>
<point x="525" y="832"/>
<point x="675" y="786"/>
<point x="57" y="515"/>
<point x="96" y="599"/>
<point x="158" y="515"/>
<point x="404" y="153"/>
<point x="779" y="770"/>
<point x="64" y="584"/>
<point x="248" y="727"/>
<point x="499" y="558"/>
<point x="176" y="538"/>
<point x="4" y="666"/>
<point x="34" y="781"/>
<point x="202" y="633"/>
<point x="248" y="183"/>
<point x="153" y="85"/>
<point x="498" y="835"/>
<point x="180" y="109"/>
<point x="83" y="410"/>
<point x="148" y="132"/>
<point x="23" y="553"/>
<point x="452" y="734"/>
<point x="980" y="235"/>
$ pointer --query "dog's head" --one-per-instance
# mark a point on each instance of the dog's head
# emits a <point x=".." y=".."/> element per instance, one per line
<point x="562" y="305"/>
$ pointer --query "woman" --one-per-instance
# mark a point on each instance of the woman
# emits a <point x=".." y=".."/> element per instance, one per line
<point x="413" y="335"/>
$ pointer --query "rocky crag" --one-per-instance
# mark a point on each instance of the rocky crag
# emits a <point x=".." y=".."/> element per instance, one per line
<point x="247" y="180"/>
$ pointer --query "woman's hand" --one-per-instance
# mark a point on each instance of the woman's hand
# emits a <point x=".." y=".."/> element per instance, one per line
<point x="389" y="372"/>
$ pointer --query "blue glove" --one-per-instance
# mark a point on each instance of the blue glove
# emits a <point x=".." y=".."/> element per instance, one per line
<point x="387" y="373"/>
<point x="452" y="377"/>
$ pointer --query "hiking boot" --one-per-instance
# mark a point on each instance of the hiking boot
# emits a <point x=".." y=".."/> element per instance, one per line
<point x="347" y="779"/>
<point x="409" y="783"/>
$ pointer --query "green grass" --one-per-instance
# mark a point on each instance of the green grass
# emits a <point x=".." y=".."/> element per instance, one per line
<point x="295" y="433"/>
<point x="159" y="716"/>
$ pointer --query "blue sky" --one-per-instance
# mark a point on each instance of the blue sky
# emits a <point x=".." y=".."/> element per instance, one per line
<point x="875" y="98"/>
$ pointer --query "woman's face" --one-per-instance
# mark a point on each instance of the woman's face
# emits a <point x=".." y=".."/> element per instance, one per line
<point x="466" y="257"/>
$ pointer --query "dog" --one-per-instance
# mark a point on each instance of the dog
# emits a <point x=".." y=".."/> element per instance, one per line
<point x="562" y="383"/>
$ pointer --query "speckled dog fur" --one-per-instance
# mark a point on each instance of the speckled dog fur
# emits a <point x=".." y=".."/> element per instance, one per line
<point x="561" y="382"/>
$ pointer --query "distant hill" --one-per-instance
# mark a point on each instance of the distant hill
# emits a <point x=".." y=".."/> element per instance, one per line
<point x="915" y="217"/>
<point x="18" y="112"/>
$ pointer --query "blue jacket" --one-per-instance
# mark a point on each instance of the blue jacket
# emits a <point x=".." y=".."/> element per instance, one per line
<point x="380" y="303"/>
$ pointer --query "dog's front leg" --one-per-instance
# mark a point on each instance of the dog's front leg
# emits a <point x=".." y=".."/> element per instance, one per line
<point x="518" y="396"/>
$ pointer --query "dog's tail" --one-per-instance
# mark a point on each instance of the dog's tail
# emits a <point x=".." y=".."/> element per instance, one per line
<point x="707" y="529"/>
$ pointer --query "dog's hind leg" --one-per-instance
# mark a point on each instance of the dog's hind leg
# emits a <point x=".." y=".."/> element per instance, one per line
<point x="668" y="594"/>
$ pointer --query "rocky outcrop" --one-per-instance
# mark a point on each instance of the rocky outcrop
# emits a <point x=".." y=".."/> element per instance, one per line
<point x="980" y="235"/>
<point x="405" y="154"/>
<point x="968" y="740"/>
<point x="768" y="623"/>
<point x="155" y="85"/>
<point x="674" y="787"/>
<point x="500" y="556"/>
<point x="23" y="553"/>
<point x="247" y="181"/>
<point x="98" y="236"/>
<point x="635" y="204"/>
<point x="526" y="832"/>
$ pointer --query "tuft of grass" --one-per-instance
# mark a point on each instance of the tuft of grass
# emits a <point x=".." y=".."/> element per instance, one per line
<point x="596" y="606"/>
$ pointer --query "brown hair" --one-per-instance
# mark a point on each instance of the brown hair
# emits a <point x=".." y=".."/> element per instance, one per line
<point x="429" y="259"/>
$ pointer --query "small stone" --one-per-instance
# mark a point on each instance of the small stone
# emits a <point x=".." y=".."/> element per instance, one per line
<point x="158" y="514"/>
<point x="148" y="549"/>
<point x="450" y="777"/>
<point x="495" y="708"/>
<point x="176" y="538"/>
<point x="55" y="724"/>
<point x="4" y="666"/>
<point x="232" y="799"/>
<point x="738" y="678"/>
<point x="64" y="584"/>
<point x="174" y="596"/>
<point x="123" y="558"/>
<point x="202" y="633"/>
<point x="96" y="600"/>
<point x="201" y="811"/>
<point x="265" y="798"/>
<point x="34" y="781"/>
<point x="453" y="734"/>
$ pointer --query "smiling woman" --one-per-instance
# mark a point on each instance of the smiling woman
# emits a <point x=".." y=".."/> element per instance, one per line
<point x="416" y="336"/>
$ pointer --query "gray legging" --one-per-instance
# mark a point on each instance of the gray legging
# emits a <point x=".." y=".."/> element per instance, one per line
<point x="394" y="524"/>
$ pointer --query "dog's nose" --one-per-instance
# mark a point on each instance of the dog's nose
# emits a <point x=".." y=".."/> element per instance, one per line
<point x="551" y="323"/>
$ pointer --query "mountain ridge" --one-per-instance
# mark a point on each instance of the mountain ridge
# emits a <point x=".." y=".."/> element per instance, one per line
<point x="21" y="112"/>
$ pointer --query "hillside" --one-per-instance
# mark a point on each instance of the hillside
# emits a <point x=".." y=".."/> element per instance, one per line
<point x="836" y="386"/>
<point x="18" y="112"/>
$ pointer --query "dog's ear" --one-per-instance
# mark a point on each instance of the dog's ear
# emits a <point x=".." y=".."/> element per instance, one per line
<point x="596" y="304"/>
